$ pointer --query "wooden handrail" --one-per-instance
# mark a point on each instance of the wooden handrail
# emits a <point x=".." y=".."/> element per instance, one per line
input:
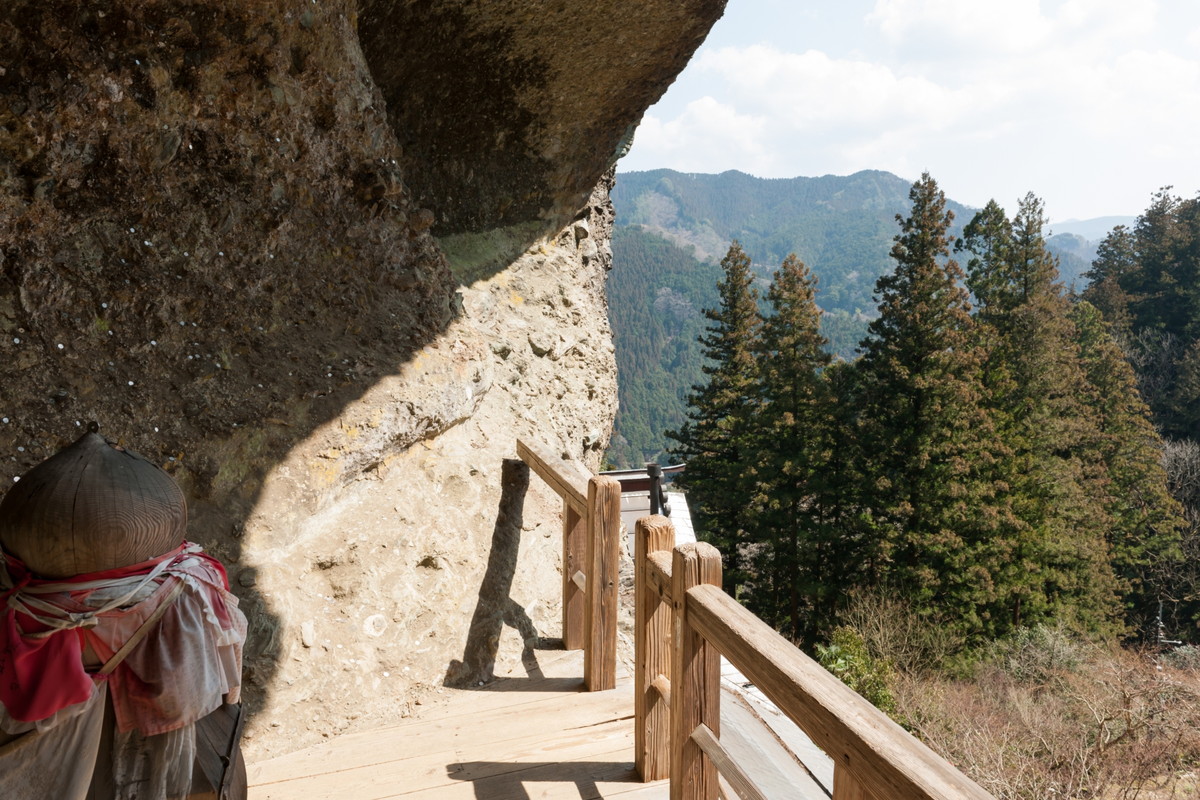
<point x="568" y="479"/>
<point x="874" y="758"/>
<point x="658" y="573"/>
<point x="591" y="551"/>
<point x="885" y="759"/>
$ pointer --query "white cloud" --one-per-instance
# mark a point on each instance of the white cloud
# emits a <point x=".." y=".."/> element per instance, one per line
<point x="707" y="132"/>
<point x="812" y="91"/>
<point x="1113" y="19"/>
<point x="979" y="25"/>
<point x="1093" y="103"/>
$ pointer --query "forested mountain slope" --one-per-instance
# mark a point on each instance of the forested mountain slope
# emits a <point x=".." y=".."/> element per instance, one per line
<point x="673" y="228"/>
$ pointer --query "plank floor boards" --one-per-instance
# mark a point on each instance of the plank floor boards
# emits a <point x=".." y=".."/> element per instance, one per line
<point x="518" y="738"/>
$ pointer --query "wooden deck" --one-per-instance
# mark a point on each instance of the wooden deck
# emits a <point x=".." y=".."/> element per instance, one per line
<point x="517" y="738"/>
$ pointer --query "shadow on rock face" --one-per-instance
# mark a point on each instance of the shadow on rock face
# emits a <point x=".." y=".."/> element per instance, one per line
<point x="216" y="224"/>
<point x="206" y="246"/>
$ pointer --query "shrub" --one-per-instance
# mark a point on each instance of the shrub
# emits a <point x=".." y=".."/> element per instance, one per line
<point x="1183" y="658"/>
<point x="847" y="657"/>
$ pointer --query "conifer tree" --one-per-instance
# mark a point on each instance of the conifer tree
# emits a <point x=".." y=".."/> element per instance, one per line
<point x="800" y="560"/>
<point x="715" y="439"/>
<point x="1034" y="388"/>
<point x="1116" y="257"/>
<point x="988" y="237"/>
<point x="1145" y="522"/>
<point x="940" y="523"/>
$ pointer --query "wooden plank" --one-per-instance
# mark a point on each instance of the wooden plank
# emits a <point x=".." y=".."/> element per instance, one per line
<point x="452" y="770"/>
<point x="658" y="573"/>
<point x="887" y="760"/>
<point x="652" y="654"/>
<point x="776" y="733"/>
<point x="574" y="558"/>
<point x="695" y="676"/>
<point x="496" y="743"/>
<point x="211" y="748"/>
<point x="753" y="744"/>
<point x="442" y="726"/>
<point x="567" y="478"/>
<point x="606" y="776"/>
<point x="743" y="786"/>
<point x="604" y="549"/>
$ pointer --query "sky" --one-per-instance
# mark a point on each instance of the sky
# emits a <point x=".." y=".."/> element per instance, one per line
<point x="1091" y="104"/>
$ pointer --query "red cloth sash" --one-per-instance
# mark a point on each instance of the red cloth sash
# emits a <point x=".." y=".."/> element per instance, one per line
<point x="39" y="676"/>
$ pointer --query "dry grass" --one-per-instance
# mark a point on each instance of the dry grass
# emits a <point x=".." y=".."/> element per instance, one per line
<point x="1048" y="718"/>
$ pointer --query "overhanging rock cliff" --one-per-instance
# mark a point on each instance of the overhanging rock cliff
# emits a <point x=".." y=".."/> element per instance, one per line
<point x="224" y="236"/>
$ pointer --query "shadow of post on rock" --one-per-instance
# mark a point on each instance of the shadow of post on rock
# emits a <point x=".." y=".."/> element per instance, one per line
<point x="495" y="607"/>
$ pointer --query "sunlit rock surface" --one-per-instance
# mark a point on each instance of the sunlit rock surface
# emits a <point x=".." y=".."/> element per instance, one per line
<point x="217" y="240"/>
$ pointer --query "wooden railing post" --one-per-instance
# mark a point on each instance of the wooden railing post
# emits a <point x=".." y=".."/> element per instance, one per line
<point x="604" y="554"/>
<point x="574" y="560"/>
<point x="652" y="652"/>
<point x="695" y="677"/>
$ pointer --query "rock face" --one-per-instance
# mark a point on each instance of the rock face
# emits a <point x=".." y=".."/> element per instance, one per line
<point x="513" y="108"/>
<point x="217" y="240"/>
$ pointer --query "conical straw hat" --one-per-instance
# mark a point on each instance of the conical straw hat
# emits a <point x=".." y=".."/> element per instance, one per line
<point x="92" y="506"/>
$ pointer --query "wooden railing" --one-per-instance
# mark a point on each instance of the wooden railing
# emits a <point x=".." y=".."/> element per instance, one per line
<point x="684" y="624"/>
<point x="591" y="560"/>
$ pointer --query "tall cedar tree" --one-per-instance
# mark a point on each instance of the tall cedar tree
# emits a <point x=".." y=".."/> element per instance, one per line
<point x="715" y="441"/>
<point x="1146" y="523"/>
<point x="940" y="523"/>
<point x="1146" y="283"/>
<point x="1035" y="392"/>
<point x="799" y="557"/>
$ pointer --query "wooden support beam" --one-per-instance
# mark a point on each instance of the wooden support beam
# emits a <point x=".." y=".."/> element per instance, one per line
<point x="886" y="760"/>
<point x="727" y="768"/>
<point x="695" y="676"/>
<point x="604" y="554"/>
<point x="652" y="653"/>
<point x="663" y="686"/>
<point x="574" y="599"/>
<point x="567" y="478"/>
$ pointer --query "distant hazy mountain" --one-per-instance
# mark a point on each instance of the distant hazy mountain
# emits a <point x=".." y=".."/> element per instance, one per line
<point x="1074" y="241"/>
<point x="1075" y="255"/>
<point x="1091" y="229"/>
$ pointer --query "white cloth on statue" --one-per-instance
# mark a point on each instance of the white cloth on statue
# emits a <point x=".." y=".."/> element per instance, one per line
<point x="55" y="762"/>
<point x="188" y="662"/>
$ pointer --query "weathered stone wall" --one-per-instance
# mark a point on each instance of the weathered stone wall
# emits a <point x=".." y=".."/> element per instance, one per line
<point x="438" y="562"/>
<point x="211" y="244"/>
